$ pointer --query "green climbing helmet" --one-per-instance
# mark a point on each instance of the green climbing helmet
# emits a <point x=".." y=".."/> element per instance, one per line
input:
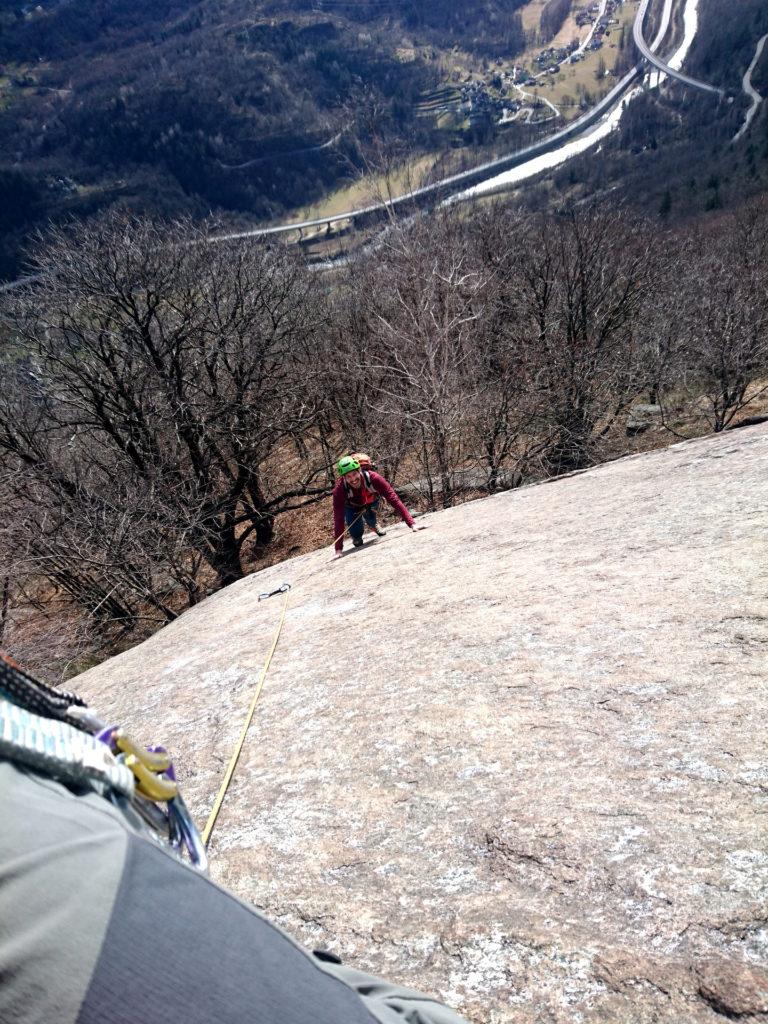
<point x="347" y="464"/>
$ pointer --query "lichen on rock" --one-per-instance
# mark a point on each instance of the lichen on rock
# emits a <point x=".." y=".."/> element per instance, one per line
<point x="517" y="759"/>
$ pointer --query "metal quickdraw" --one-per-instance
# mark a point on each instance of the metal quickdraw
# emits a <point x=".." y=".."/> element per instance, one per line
<point x="155" y="781"/>
<point x="283" y="589"/>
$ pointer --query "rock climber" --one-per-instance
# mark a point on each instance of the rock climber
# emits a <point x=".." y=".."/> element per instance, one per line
<point x="356" y="498"/>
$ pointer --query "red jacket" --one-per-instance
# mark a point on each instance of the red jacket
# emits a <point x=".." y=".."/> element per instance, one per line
<point x="357" y="500"/>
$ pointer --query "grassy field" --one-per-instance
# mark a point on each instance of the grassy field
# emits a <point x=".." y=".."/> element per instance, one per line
<point x="531" y="16"/>
<point x="370" y="189"/>
<point x="574" y="79"/>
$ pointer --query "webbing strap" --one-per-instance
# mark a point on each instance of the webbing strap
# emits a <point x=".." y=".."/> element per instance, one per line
<point x="19" y="687"/>
<point x="60" y="751"/>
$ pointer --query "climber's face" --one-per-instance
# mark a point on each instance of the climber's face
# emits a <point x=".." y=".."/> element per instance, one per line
<point x="355" y="478"/>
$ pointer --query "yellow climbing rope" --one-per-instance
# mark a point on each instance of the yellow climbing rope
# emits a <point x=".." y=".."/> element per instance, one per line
<point x="236" y="755"/>
<point x="246" y="725"/>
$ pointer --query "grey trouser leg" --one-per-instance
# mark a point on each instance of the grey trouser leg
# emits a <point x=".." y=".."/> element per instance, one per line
<point x="100" y="925"/>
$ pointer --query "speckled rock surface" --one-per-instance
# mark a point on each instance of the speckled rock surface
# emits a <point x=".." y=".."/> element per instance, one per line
<point x="518" y="759"/>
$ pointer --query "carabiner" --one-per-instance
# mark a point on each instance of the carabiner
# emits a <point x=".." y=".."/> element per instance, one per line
<point x="153" y="787"/>
<point x="153" y="760"/>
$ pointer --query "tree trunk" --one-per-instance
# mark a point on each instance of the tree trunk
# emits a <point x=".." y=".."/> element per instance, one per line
<point x="223" y="556"/>
<point x="265" y="530"/>
<point x="4" y="606"/>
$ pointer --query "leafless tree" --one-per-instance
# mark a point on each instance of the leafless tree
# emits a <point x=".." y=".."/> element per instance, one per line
<point x="580" y="282"/>
<point x="148" y="428"/>
<point x="724" y="288"/>
<point x="505" y="425"/>
<point x="383" y="151"/>
<point x="423" y="311"/>
<point x="353" y="377"/>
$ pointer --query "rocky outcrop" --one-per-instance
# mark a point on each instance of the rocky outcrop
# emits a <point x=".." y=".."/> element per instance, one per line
<point x="642" y="418"/>
<point x="517" y="759"/>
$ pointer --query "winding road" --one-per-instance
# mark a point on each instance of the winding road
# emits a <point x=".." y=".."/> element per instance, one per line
<point x="588" y="39"/>
<point x="750" y="90"/>
<point x="455" y="184"/>
<point x="585" y="140"/>
<point x="559" y="145"/>
<point x="462" y="186"/>
<point x="286" y="153"/>
<point x="466" y="184"/>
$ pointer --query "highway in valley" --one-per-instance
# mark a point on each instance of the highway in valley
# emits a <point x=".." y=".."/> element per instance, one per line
<point x="610" y="121"/>
<point x="455" y="184"/>
<point x="496" y="175"/>
<point x="652" y="58"/>
<point x="502" y="173"/>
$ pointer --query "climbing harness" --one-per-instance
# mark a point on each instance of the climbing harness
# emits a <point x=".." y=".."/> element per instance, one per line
<point x="60" y="751"/>
<point x="54" y="733"/>
<point x="283" y="589"/>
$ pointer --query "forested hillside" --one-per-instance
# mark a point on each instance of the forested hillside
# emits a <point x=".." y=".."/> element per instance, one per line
<point x="488" y="27"/>
<point x="675" y="155"/>
<point x="250" y="111"/>
<point x="237" y="108"/>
